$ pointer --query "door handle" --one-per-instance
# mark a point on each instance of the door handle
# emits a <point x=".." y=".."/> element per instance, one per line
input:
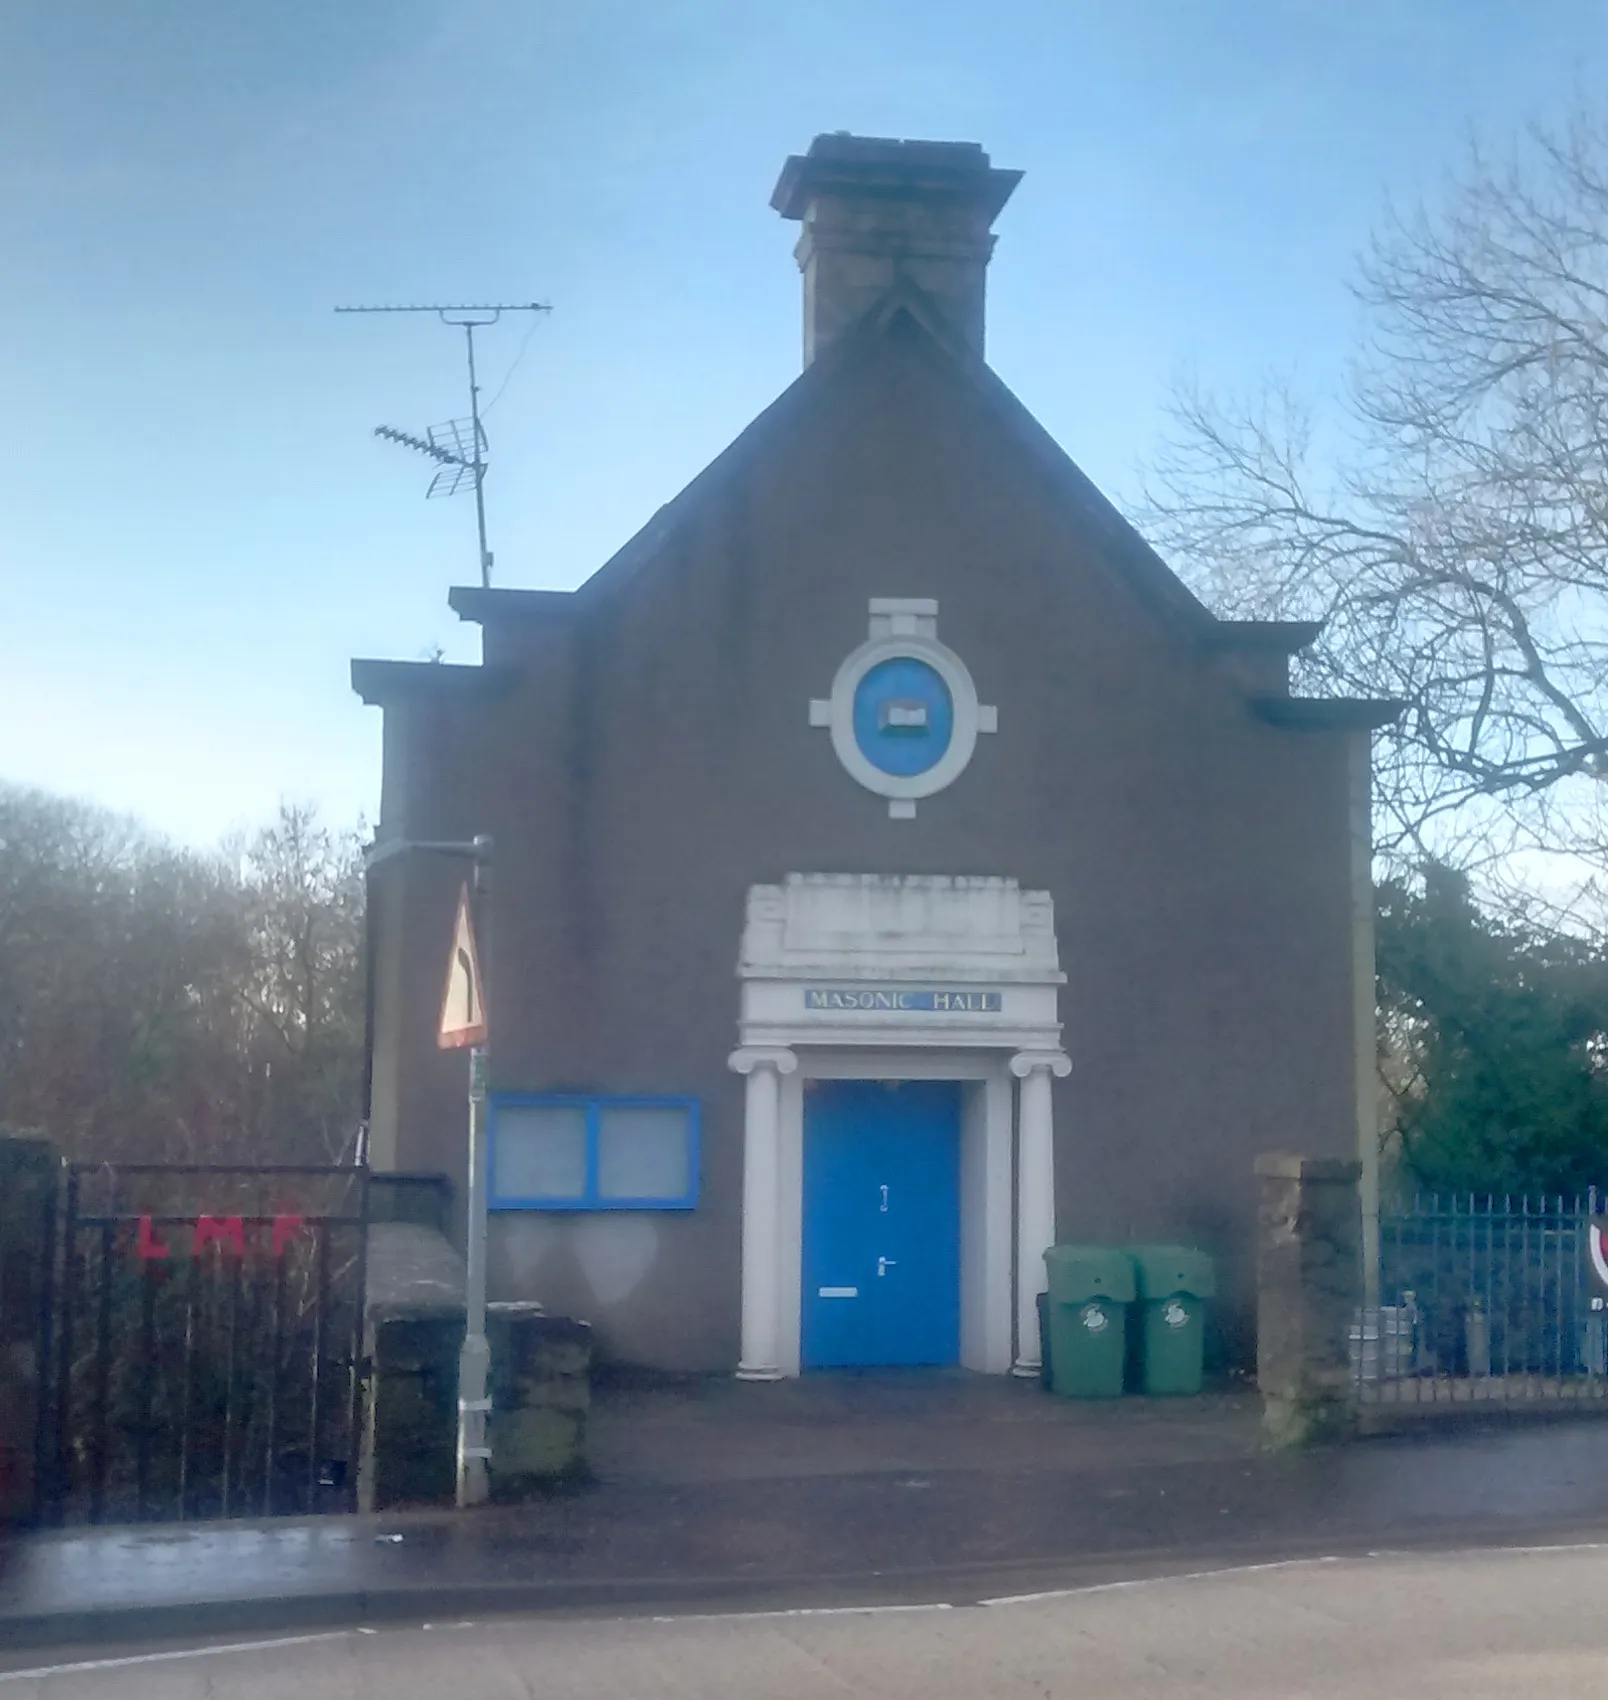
<point x="884" y="1264"/>
<point x="884" y="1201"/>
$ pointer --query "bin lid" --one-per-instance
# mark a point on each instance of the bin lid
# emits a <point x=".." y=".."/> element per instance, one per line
<point x="1162" y="1270"/>
<point x="1089" y="1272"/>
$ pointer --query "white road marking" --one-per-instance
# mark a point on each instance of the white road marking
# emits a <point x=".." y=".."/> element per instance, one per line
<point x="1281" y="1564"/>
<point x="1562" y="1546"/>
<point x="1225" y="1572"/>
<point x="800" y="1611"/>
<point x="177" y="1653"/>
<point x="1156" y="1581"/>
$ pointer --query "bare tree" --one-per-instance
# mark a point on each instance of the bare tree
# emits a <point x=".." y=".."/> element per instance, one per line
<point x="1454" y="533"/>
<point x="301" y="992"/>
<point x="114" y="967"/>
<point x="161" y="1004"/>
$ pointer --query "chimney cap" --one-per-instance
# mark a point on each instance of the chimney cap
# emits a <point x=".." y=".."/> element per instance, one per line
<point x="887" y="168"/>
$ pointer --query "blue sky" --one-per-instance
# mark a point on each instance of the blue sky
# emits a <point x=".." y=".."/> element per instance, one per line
<point x="197" y="530"/>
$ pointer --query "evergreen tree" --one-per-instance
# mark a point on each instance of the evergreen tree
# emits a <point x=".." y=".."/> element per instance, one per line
<point x="1494" y="1044"/>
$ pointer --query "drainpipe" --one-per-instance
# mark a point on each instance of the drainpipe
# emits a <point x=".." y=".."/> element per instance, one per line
<point x="1365" y="1006"/>
<point x="370" y="934"/>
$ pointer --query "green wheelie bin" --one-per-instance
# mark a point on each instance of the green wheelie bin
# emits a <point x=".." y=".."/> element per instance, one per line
<point x="1090" y="1289"/>
<point x="1173" y="1284"/>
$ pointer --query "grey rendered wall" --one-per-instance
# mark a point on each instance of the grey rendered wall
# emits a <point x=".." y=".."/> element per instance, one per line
<point x="657" y="760"/>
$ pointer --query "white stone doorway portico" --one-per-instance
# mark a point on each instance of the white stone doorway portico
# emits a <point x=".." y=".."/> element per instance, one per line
<point x="912" y="977"/>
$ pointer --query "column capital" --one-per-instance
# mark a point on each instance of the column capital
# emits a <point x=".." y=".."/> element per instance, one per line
<point x="1025" y="1062"/>
<point x="747" y="1058"/>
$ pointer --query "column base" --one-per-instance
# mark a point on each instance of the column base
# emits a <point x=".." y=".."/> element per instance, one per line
<point x="1027" y="1370"/>
<point x="757" y="1372"/>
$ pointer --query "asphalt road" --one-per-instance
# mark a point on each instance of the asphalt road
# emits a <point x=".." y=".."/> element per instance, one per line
<point x="1509" y="1622"/>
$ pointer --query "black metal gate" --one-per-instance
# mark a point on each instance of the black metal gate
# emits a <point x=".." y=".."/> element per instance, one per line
<point x="208" y="1342"/>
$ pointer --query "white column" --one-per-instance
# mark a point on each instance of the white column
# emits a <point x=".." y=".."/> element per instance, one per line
<point x="1035" y="1192"/>
<point x="764" y="1067"/>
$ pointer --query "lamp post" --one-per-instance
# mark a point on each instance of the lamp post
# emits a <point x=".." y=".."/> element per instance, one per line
<point x="474" y="1357"/>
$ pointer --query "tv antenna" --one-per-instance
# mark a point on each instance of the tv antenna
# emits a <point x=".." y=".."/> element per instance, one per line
<point x="458" y="446"/>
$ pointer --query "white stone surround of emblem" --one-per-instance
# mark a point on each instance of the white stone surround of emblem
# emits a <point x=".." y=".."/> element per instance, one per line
<point x="904" y="627"/>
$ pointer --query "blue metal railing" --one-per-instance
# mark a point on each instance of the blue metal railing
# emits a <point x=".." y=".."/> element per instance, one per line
<point x="1485" y="1300"/>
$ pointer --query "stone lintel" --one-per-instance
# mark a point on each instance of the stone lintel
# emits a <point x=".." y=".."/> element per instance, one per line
<point x="1287" y="1165"/>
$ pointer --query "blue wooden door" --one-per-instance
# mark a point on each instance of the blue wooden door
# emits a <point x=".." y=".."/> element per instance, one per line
<point x="881" y="1222"/>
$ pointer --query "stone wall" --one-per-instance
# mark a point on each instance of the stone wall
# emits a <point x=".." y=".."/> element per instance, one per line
<point x="412" y="1332"/>
<point x="541" y="1392"/>
<point x="410" y="1437"/>
<point x="540" y="1379"/>
<point x="1309" y="1284"/>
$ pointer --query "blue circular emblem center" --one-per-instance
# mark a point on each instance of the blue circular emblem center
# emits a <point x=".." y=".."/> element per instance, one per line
<point x="904" y="717"/>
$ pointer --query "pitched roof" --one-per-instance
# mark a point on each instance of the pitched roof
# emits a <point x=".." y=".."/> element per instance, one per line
<point x="907" y="311"/>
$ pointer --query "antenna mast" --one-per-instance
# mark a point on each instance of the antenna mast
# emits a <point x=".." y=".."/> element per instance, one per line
<point x="460" y="452"/>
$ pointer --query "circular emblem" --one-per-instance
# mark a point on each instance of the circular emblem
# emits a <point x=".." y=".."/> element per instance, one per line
<point x="904" y="716"/>
<point x="903" y="713"/>
<point x="1174" y="1314"/>
<point x="1094" y="1318"/>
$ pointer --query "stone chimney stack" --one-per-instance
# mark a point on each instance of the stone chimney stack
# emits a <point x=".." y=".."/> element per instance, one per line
<point x="876" y="212"/>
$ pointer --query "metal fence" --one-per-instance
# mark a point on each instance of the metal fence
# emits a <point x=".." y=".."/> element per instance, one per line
<point x="1485" y="1300"/>
<point x="207" y="1342"/>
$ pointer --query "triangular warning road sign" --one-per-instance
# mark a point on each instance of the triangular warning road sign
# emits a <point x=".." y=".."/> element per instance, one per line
<point x="463" y="1007"/>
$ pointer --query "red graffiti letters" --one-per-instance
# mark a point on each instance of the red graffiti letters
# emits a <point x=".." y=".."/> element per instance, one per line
<point x="146" y="1244"/>
<point x="227" y="1233"/>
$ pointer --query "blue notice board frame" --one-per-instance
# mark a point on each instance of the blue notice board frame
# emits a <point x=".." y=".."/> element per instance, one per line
<point x="594" y="1104"/>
